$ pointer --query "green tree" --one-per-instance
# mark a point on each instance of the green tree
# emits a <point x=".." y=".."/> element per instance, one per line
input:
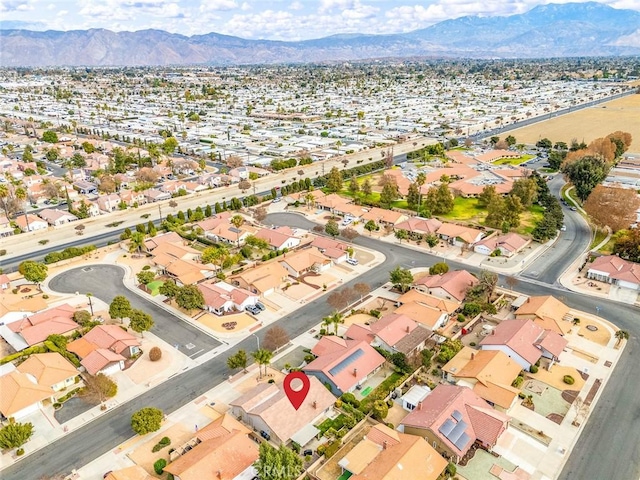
<point x="440" y="199"/>
<point x="50" y="136"/>
<point x="140" y="321"/>
<point x="335" y="319"/>
<point x="511" y="140"/>
<point x="366" y="187"/>
<point x="33" y="271"/>
<point x="277" y="463"/>
<point x="334" y="181"/>
<point x="544" y="143"/>
<point x="14" y="435"/>
<point x="120" y="307"/>
<point x="82" y="317"/>
<point x="526" y="189"/>
<point x="401" y="278"/>
<point x="216" y="254"/>
<point x="354" y="186"/>
<point x="145" y="277"/>
<point x="379" y="410"/>
<point x="238" y="360"/>
<point x="146" y="420"/>
<point x="438" y="268"/>
<point x="585" y="174"/>
<point x="262" y="357"/>
<point x="331" y="228"/>
<point x="190" y="297"/>
<point x="237" y="221"/>
<point x="169" y="289"/>
<point x="621" y="335"/>
<point x="389" y="193"/>
<point x="169" y="145"/>
<point x="413" y="197"/>
<point x="401" y="235"/>
<point x="627" y="244"/>
<point x="371" y="226"/>
<point x="487" y="196"/>
<point x="431" y="240"/>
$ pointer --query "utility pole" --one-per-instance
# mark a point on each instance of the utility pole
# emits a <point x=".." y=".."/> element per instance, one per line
<point x="160" y="212"/>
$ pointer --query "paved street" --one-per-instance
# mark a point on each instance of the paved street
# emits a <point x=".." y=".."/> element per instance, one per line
<point x="612" y="434"/>
<point x="105" y="282"/>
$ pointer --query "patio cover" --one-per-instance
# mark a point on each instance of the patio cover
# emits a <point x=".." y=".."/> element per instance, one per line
<point x="305" y="435"/>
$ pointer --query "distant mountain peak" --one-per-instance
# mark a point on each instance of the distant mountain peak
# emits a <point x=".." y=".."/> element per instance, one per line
<point x="551" y="30"/>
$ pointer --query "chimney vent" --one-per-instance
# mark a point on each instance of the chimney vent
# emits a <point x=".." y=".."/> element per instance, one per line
<point x="315" y="404"/>
<point x="384" y="444"/>
<point x="420" y="405"/>
<point x="473" y="355"/>
<point x="355" y="372"/>
<point x="408" y="328"/>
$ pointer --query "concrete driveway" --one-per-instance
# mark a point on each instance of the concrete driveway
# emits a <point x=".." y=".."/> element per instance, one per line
<point x="105" y="282"/>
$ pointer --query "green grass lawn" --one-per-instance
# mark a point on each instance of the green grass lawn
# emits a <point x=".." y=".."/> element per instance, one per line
<point x="600" y="235"/>
<point x="337" y="423"/>
<point x="466" y="209"/>
<point x="345" y="476"/>
<point x="154" y="287"/>
<point x="514" y="161"/>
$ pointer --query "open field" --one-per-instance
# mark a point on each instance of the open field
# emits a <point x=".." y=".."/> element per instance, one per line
<point x="588" y="124"/>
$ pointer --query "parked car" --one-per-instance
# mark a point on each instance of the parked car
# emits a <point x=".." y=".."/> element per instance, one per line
<point x="276" y="200"/>
<point x="352" y="261"/>
<point x="252" y="309"/>
<point x="573" y="209"/>
<point x="563" y="228"/>
<point x="308" y="451"/>
<point x="265" y="435"/>
<point x="260" y="306"/>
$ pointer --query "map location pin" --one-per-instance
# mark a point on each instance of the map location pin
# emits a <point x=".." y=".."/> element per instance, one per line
<point x="296" y="397"/>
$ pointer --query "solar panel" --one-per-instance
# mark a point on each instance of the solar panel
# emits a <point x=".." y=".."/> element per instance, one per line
<point x="346" y="362"/>
<point x="447" y="427"/>
<point x="457" y="432"/>
<point x="462" y="441"/>
<point x="456" y="415"/>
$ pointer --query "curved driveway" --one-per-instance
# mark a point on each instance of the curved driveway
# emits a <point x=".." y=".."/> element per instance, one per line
<point x="105" y="282"/>
<point x="609" y="447"/>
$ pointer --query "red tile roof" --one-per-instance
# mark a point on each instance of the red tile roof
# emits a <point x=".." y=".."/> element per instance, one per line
<point x="455" y="282"/>
<point x="519" y="335"/>
<point x="100" y="359"/>
<point x="37" y="327"/>
<point x="111" y="337"/>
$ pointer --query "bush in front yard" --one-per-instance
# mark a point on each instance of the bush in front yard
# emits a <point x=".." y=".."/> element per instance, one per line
<point x="155" y="354"/>
<point x="158" y="467"/>
<point x="568" y="379"/>
<point x="533" y="369"/>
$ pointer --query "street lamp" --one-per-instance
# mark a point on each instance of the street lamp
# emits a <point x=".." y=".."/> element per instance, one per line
<point x="257" y="340"/>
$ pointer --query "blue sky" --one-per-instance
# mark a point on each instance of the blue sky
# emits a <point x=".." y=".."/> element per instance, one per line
<point x="270" y="19"/>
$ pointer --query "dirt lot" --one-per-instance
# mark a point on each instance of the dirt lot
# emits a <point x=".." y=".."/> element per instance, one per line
<point x="588" y="124"/>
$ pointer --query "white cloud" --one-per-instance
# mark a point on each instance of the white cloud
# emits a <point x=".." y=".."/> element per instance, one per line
<point x="15" y="6"/>
<point x="296" y="6"/>
<point x="217" y="5"/>
<point x="96" y="11"/>
<point x="335" y="5"/>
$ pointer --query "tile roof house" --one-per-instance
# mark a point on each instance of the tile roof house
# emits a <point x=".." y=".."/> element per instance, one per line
<point x="385" y="454"/>
<point x="34" y="329"/>
<point x="615" y="270"/>
<point x="414" y="295"/>
<point x="452" y="418"/>
<point x="548" y="312"/>
<point x="30" y="223"/>
<point x="343" y="364"/>
<point x="393" y="333"/>
<point x="525" y="341"/>
<point x="381" y="215"/>
<point x="104" y="361"/>
<point x="263" y="279"/>
<point x="50" y="370"/>
<point x="427" y="226"/>
<point x="5" y="282"/>
<point x="459" y="235"/>
<point x="56" y="217"/>
<point x="266" y="408"/>
<point x="452" y="285"/>
<point x="329" y="247"/>
<point x="489" y="373"/>
<point x="508" y="244"/>
<point x="108" y="203"/>
<point x="222" y="451"/>
<point x="307" y="260"/>
<point x="428" y="316"/>
<point x="171" y="237"/>
<point x="220" y="297"/>
<point x="113" y="338"/>
<point x="21" y="395"/>
<point x="278" y="238"/>
<point x="135" y="472"/>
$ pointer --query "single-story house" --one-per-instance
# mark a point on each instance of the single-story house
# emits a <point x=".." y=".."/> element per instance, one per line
<point x="266" y="408"/>
<point x="302" y="261"/>
<point x="452" y="285"/>
<point x="548" y="312"/>
<point x="220" y="297"/>
<point x="329" y="247"/>
<point x="278" y="238"/>
<point x="508" y="244"/>
<point x="85" y="188"/>
<point x="56" y="217"/>
<point x="30" y="223"/>
<point x="50" y="370"/>
<point x="384" y="217"/>
<point x="21" y="395"/>
<point x="263" y="279"/>
<point x="615" y="270"/>
<point x="393" y="333"/>
<point x="452" y="419"/>
<point x="459" y="235"/>
<point x="343" y="364"/>
<point x="34" y="329"/>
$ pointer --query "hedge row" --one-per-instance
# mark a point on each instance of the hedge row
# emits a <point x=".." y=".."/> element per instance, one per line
<point x="68" y="253"/>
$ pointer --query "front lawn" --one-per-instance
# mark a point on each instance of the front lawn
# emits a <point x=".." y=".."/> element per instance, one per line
<point x="465" y="209"/>
<point x="514" y="161"/>
<point x="154" y="287"/>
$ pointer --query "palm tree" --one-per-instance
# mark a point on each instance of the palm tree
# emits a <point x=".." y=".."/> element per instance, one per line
<point x="262" y="356"/>
<point x="621" y="335"/>
<point x="136" y="241"/>
<point x="336" y="319"/>
<point x="237" y="221"/>
<point x="21" y="194"/>
<point x="309" y="198"/>
<point x="420" y="180"/>
<point x="4" y="197"/>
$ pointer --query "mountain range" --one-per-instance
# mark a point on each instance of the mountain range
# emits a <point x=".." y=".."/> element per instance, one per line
<point x="552" y="30"/>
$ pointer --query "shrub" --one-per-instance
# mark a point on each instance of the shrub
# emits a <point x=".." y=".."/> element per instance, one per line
<point x="451" y="469"/>
<point x="20" y="452"/>
<point x="164" y="441"/>
<point x="533" y="369"/>
<point x="518" y="381"/>
<point x="146" y="267"/>
<point x="375" y="313"/>
<point x="351" y="399"/>
<point x="568" y="379"/>
<point x="155" y="354"/>
<point x="461" y="317"/>
<point x="159" y="465"/>
<point x="45" y="296"/>
<point x="472" y="344"/>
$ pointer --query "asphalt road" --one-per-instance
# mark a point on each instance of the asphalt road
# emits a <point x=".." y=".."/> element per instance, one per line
<point x="590" y="459"/>
<point x="551" y="264"/>
<point x="105" y="282"/>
